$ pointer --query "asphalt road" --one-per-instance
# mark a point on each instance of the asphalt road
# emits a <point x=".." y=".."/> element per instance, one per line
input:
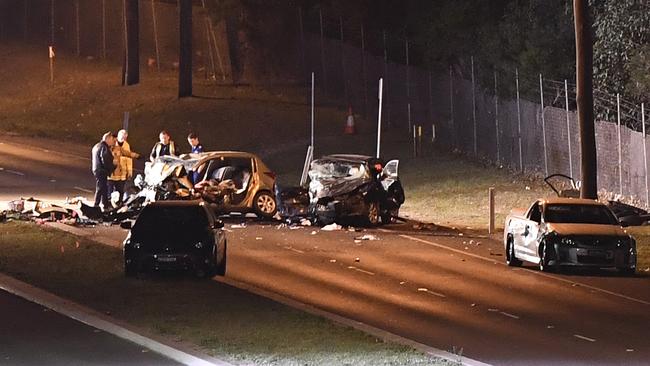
<point x="443" y="289"/>
<point x="34" y="335"/>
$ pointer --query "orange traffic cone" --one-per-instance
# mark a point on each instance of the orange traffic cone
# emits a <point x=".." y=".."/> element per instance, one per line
<point x="349" y="124"/>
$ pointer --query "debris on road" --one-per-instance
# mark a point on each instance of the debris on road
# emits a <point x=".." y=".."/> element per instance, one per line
<point x="332" y="260"/>
<point x="238" y="226"/>
<point x="357" y="259"/>
<point x="305" y="222"/>
<point x="314" y="232"/>
<point x="367" y="237"/>
<point x="332" y="227"/>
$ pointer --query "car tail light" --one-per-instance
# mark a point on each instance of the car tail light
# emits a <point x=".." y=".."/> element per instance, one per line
<point x="270" y="174"/>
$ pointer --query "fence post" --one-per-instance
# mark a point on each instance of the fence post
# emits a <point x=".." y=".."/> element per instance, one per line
<point x="568" y="125"/>
<point x="430" y="98"/>
<point x="620" y="148"/>
<point x="408" y="85"/>
<point x="77" y="27"/>
<point x="103" y="29"/>
<point x="541" y="96"/>
<point x="451" y="105"/>
<point x="521" y="160"/>
<point x="496" y="116"/>
<point x="322" y="50"/>
<point x="381" y="94"/>
<point x="363" y="71"/>
<point x="345" y="80"/>
<point x="645" y="156"/>
<point x="155" y="33"/>
<point x="474" y="108"/>
<point x="491" y="221"/>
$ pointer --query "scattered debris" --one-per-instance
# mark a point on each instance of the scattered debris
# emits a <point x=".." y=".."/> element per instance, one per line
<point x="332" y="227"/>
<point x="367" y="237"/>
<point x="332" y="260"/>
<point x="238" y="226"/>
<point x="357" y="259"/>
<point x="305" y="222"/>
<point x="294" y="227"/>
<point x="550" y="326"/>
<point x="314" y="232"/>
<point x="258" y="238"/>
<point x="422" y="289"/>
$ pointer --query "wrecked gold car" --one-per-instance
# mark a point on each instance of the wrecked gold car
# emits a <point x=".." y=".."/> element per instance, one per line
<point x="568" y="232"/>
<point x="230" y="180"/>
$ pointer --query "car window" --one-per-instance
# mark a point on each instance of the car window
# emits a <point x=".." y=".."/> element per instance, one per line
<point x="535" y="213"/>
<point x="579" y="214"/>
<point x="171" y="218"/>
<point x="327" y="169"/>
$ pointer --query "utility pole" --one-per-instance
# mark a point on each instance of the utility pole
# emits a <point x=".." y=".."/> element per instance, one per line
<point x="185" y="52"/>
<point x="585" y="98"/>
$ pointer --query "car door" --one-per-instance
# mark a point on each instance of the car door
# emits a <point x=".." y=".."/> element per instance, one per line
<point x="531" y="230"/>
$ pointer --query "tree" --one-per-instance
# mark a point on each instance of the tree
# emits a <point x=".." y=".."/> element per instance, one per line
<point x="185" y="52"/>
<point x="131" y="67"/>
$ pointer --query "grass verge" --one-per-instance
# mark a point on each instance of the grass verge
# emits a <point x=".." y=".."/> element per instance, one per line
<point x="223" y="321"/>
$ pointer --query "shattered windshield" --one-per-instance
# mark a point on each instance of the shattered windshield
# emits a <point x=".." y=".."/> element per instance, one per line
<point x="329" y="169"/>
<point x="579" y="214"/>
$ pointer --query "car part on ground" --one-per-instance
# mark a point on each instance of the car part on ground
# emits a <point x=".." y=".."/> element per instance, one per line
<point x="566" y="232"/>
<point x="175" y="235"/>
<point x="346" y="188"/>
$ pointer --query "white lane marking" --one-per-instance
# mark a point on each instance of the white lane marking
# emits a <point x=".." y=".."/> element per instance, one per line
<point x="83" y="189"/>
<point x="491" y="260"/>
<point x="294" y="250"/>
<point x="584" y="338"/>
<point x="422" y="289"/>
<point x="509" y="315"/>
<point x="14" y="172"/>
<point x="361" y="270"/>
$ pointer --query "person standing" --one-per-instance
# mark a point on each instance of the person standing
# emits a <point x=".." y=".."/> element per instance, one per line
<point x="123" y="156"/>
<point x="195" y="144"/>
<point x="165" y="146"/>
<point x="102" y="167"/>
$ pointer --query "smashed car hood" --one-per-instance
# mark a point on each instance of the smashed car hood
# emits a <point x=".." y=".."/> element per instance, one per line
<point x="166" y="166"/>
<point x="586" y="229"/>
<point x="329" y="179"/>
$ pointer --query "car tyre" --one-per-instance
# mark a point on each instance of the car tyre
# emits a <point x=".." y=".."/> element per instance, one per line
<point x="220" y="267"/>
<point x="543" y="261"/>
<point x="511" y="258"/>
<point x="390" y="217"/>
<point x="372" y="217"/>
<point x="264" y="205"/>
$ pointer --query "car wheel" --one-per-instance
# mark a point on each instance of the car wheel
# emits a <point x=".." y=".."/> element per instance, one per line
<point x="544" y="259"/>
<point x="373" y="213"/>
<point x="130" y="269"/>
<point x="390" y="217"/>
<point x="220" y="266"/>
<point x="511" y="258"/>
<point x="264" y="205"/>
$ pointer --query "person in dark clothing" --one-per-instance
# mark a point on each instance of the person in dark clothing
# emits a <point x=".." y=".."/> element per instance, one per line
<point x="165" y="146"/>
<point x="197" y="148"/>
<point x="102" y="167"/>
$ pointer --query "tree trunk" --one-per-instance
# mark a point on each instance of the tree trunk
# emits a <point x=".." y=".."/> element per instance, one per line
<point x="585" y="98"/>
<point x="185" y="52"/>
<point x="132" y="43"/>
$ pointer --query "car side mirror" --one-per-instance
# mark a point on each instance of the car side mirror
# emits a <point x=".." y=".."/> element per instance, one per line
<point x="218" y="225"/>
<point x="127" y="225"/>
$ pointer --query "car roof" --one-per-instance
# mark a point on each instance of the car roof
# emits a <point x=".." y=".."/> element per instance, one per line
<point x="348" y="157"/>
<point x="570" y="201"/>
<point x="177" y="203"/>
<point x="229" y="154"/>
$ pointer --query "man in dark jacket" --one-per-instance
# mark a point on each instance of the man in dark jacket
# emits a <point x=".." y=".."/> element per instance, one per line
<point x="103" y="167"/>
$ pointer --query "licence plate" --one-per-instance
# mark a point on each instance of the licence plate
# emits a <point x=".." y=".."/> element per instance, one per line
<point x="167" y="259"/>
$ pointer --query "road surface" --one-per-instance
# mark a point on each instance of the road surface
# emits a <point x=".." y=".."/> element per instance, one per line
<point x="446" y="289"/>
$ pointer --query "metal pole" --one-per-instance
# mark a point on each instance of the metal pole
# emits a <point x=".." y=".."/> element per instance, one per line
<point x="496" y="116"/>
<point x="408" y="84"/>
<point x="381" y="93"/>
<point x="155" y="32"/>
<point x="541" y="97"/>
<point x="77" y="27"/>
<point x="363" y="71"/>
<point x="312" y="109"/>
<point x="52" y="22"/>
<point x="620" y="147"/>
<point x="568" y="126"/>
<point x="216" y="50"/>
<point x="430" y="98"/>
<point x="474" y="108"/>
<point x="302" y="40"/>
<point x="645" y="156"/>
<point x="386" y="76"/>
<point x="322" y="50"/>
<point x="103" y="29"/>
<point x="521" y="160"/>
<point x="451" y="104"/>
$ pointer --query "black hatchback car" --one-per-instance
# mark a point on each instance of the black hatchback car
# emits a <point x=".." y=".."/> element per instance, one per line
<point x="168" y="235"/>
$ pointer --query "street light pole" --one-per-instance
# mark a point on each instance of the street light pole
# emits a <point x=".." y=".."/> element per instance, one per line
<point x="585" y="98"/>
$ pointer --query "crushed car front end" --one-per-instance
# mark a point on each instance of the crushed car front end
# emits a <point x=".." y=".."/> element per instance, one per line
<point x="596" y="251"/>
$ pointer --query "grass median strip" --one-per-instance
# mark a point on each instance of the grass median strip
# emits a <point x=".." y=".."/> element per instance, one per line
<point x="223" y="321"/>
